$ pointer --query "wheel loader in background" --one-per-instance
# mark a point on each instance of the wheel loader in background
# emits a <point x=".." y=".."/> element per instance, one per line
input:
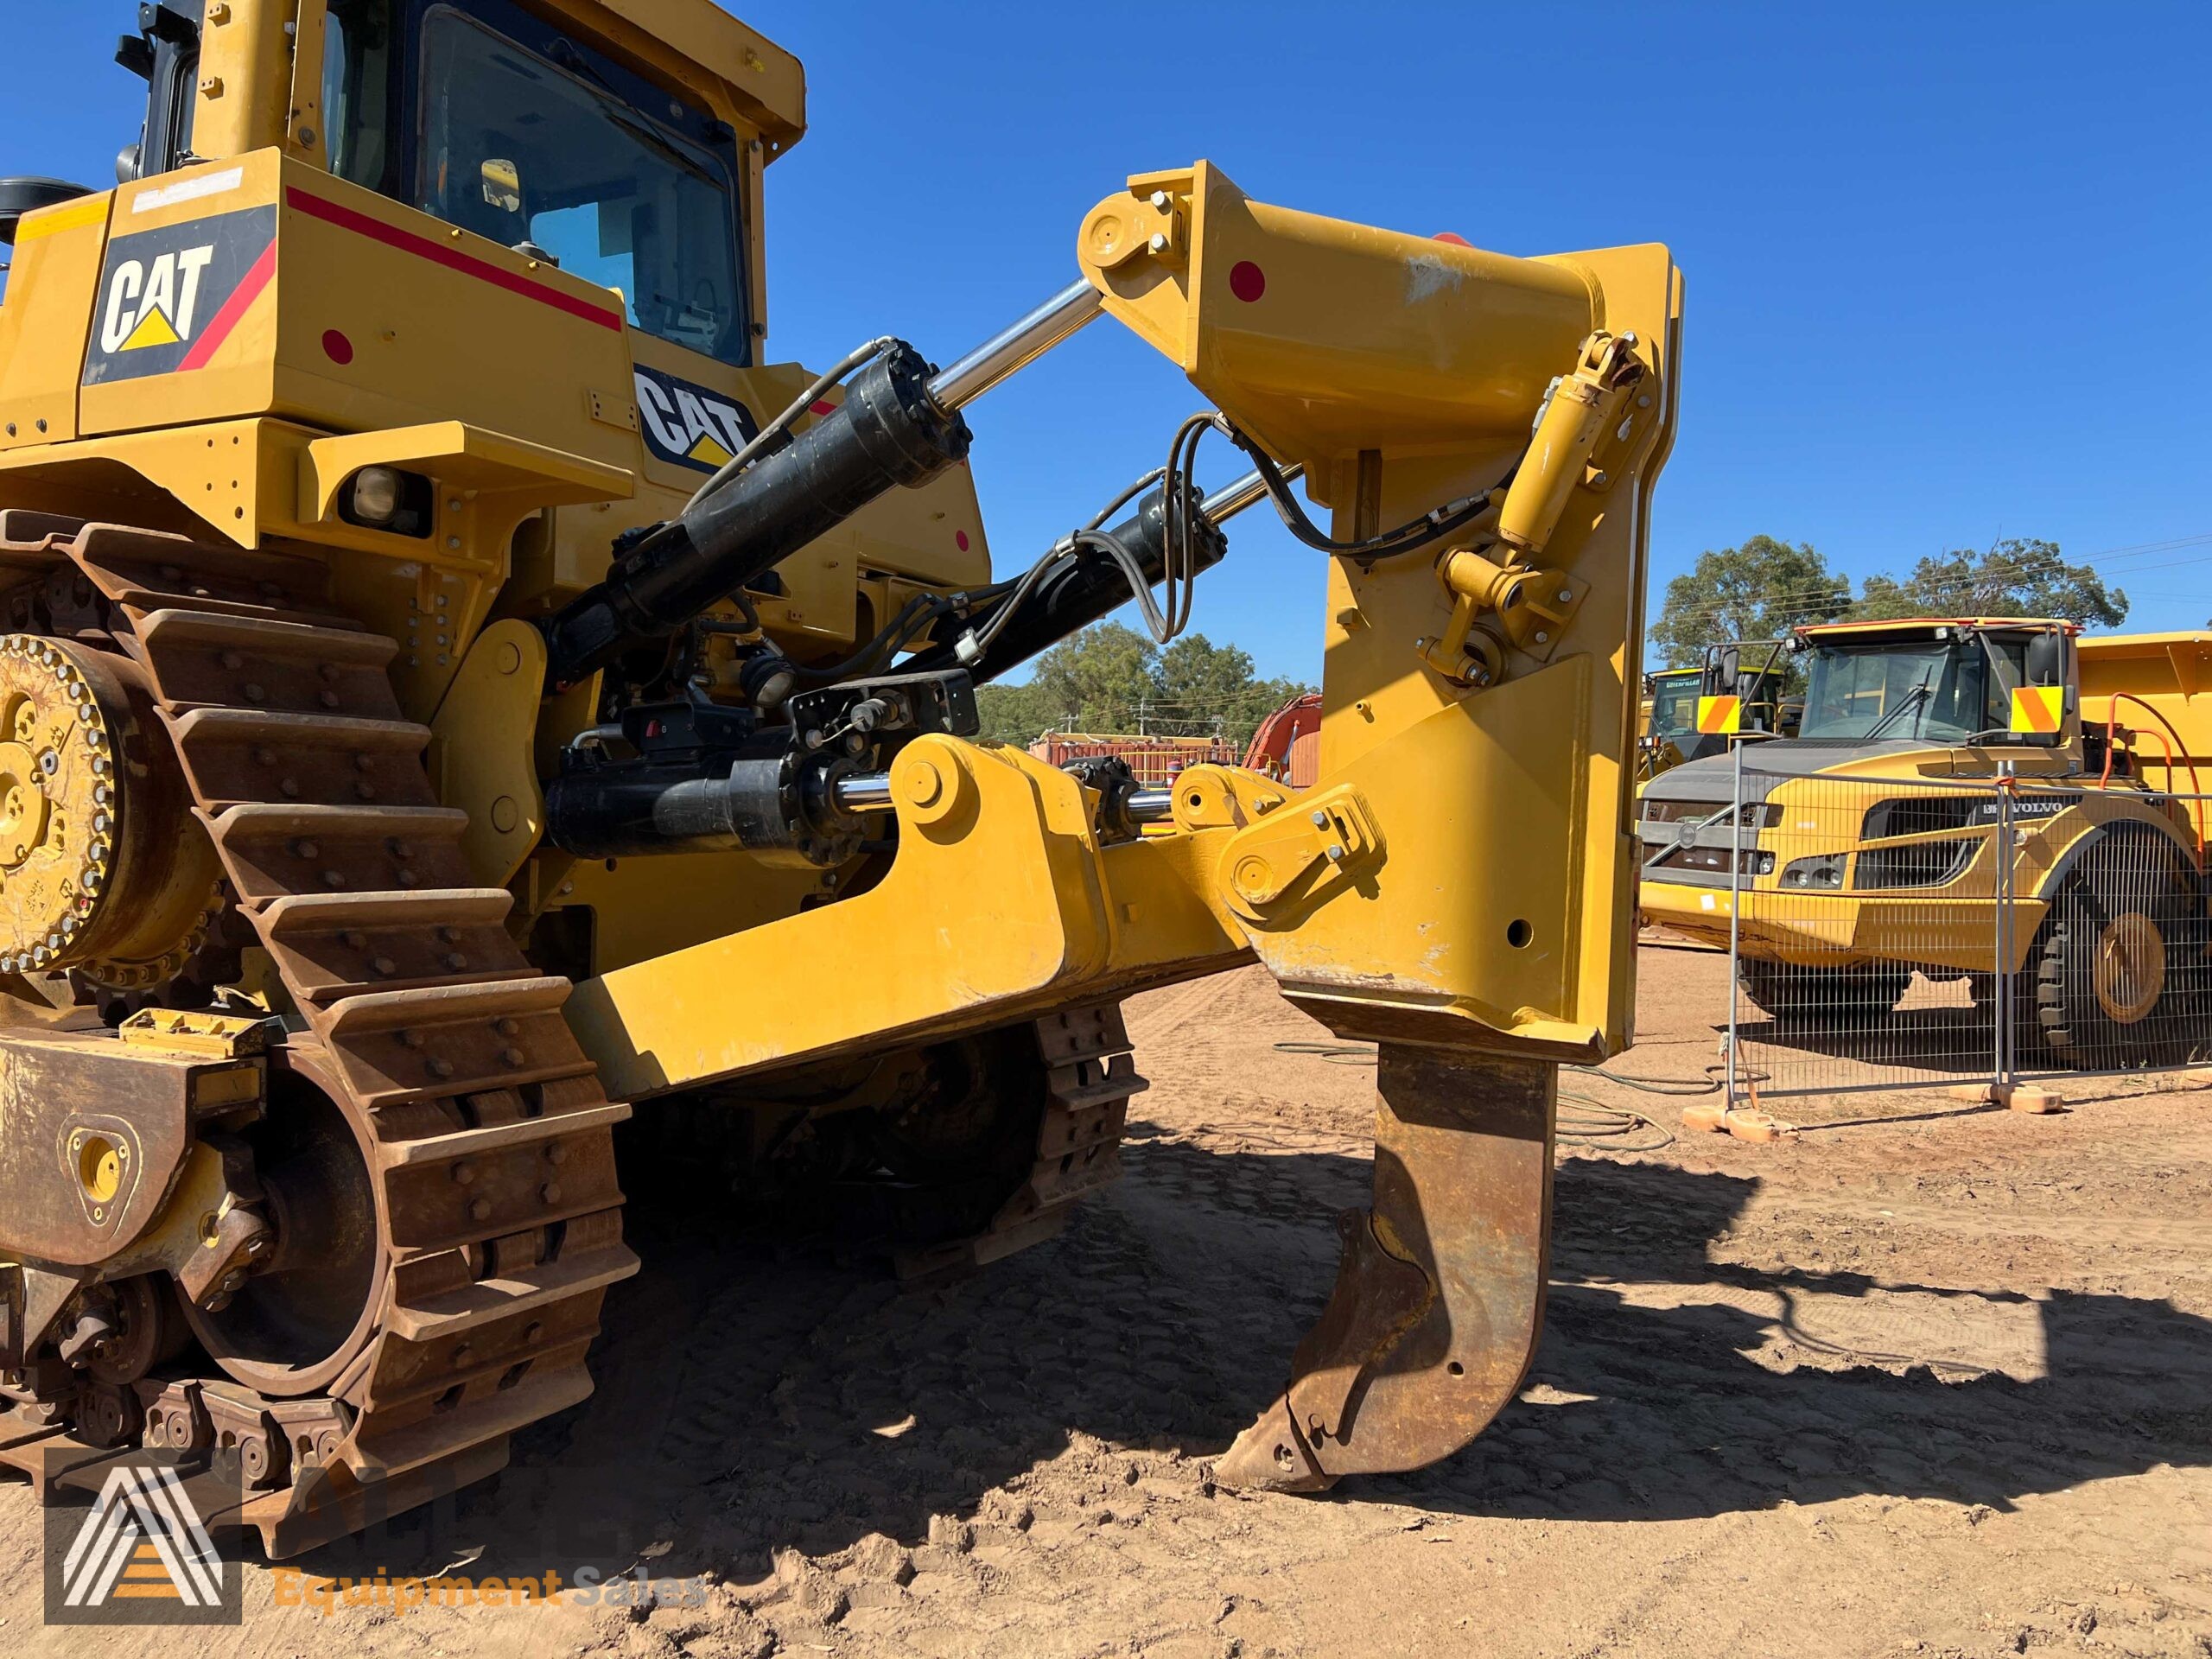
<point x="460" y="692"/>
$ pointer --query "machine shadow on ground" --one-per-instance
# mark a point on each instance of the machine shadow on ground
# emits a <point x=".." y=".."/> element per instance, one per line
<point x="749" y="1404"/>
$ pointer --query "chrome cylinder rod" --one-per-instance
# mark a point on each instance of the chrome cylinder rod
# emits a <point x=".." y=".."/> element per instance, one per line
<point x="1152" y="806"/>
<point x="1014" y="349"/>
<point x="867" y="791"/>
<point x="1225" y="503"/>
<point x="870" y="792"/>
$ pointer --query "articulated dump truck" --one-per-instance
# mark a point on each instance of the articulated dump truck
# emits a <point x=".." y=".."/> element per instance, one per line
<point x="460" y="693"/>
<point x="1874" y="844"/>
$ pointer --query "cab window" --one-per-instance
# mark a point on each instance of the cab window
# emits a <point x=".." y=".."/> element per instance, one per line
<point x="516" y="133"/>
<point x="358" y="42"/>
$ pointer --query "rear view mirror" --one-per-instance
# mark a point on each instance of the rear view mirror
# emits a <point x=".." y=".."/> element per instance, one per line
<point x="1731" y="665"/>
<point x="503" y="184"/>
<point x="2046" y="658"/>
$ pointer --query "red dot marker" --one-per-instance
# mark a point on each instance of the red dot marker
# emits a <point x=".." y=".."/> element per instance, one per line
<point x="1246" y="281"/>
<point x="337" y="348"/>
<point x="959" y="540"/>
<point x="1453" y="237"/>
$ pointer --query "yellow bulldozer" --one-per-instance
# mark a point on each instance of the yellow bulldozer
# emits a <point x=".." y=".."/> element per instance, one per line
<point x="462" y="693"/>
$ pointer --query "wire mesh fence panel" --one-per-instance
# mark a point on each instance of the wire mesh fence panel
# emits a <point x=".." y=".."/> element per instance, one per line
<point x="2107" y="888"/>
<point x="1861" y="913"/>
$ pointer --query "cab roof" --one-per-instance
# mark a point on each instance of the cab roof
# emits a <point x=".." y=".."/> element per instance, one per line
<point x="698" y="37"/>
<point x="1917" y="624"/>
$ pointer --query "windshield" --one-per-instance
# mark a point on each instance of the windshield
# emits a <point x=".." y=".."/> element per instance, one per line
<point x="518" y="149"/>
<point x="1674" y="705"/>
<point x="1939" y="690"/>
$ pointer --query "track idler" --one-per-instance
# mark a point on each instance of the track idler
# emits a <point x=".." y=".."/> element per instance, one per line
<point x="1439" y="1295"/>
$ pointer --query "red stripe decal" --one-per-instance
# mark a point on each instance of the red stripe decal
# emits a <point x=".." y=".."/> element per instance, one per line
<point x="451" y="257"/>
<point x="220" y="325"/>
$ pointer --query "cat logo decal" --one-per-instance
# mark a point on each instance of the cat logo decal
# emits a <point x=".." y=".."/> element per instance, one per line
<point x="169" y="298"/>
<point x="690" y="425"/>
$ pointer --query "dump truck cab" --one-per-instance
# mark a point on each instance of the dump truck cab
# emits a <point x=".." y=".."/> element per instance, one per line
<point x="1673" y="699"/>
<point x="1670" y="708"/>
<point x="1849" y="866"/>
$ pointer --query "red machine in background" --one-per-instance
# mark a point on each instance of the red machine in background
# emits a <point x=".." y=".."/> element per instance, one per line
<point x="1288" y="746"/>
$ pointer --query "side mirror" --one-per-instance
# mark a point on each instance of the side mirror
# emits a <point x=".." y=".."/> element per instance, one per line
<point x="1731" y="665"/>
<point x="503" y="184"/>
<point x="2046" y="659"/>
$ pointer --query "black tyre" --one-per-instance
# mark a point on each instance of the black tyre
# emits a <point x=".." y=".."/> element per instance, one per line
<point x="1836" y="996"/>
<point x="2119" y="965"/>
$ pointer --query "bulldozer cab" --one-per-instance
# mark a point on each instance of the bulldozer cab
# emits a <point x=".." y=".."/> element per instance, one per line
<point x="625" y="156"/>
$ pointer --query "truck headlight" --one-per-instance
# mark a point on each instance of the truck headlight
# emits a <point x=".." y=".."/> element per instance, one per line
<point x="1824" y="871"/>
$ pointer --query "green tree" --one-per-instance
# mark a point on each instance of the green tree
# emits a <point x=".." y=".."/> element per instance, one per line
<point x="1195" y="673"/>
<point x="1015" y="714"/>
<point x="1757" y="591"/>
<point x="2014" y="577"/>
<point x="1101" y="678"/>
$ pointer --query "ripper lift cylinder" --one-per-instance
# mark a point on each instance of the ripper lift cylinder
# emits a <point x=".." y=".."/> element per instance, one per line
<point x="900" y="424"/>
<point x="1084" y="584"/>
<point x="887" y="432"/>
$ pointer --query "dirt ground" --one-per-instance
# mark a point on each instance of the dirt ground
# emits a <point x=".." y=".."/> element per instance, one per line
<point x="1923" y="1379"/>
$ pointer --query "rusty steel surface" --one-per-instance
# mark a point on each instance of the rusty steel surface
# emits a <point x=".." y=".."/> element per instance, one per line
<point x="71" y="1096"/>
<point x="490" y="1208"/>
<point x="1438" y="1298"/>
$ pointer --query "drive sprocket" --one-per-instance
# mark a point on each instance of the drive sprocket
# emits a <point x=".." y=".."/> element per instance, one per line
<point x="103" y="867"/>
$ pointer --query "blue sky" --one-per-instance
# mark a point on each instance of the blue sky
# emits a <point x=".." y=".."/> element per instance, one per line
<point x="1945" y="263"/>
